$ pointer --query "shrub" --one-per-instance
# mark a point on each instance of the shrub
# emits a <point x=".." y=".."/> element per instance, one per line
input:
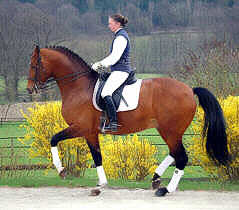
<point x="214" y="66"/>
<point x="197" y="151"/>
<point x="44" y="121"/>
<point x="128" y="158"/>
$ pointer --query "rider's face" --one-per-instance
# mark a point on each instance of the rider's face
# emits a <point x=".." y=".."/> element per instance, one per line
<point x="113" y="25"/>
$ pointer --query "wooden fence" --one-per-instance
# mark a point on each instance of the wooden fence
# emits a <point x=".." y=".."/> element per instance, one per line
<point x="12" y="147"/>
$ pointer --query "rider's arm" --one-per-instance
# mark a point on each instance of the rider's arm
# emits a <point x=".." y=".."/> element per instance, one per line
<point x="119" y="46"/>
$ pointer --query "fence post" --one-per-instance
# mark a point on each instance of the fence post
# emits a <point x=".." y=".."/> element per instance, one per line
<point x="12" y="149"/>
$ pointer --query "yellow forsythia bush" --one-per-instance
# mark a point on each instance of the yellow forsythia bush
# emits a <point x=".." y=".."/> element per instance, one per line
<point x="197" y="150"/>
<point x="128" y="158"/>
<point x="44" y="121"/>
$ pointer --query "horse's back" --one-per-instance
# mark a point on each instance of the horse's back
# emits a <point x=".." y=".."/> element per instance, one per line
<point x="168" y="88"/>
<point x="172" y="87"/>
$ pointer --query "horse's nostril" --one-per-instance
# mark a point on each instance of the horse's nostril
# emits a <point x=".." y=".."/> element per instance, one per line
<point x="29" y="90"/>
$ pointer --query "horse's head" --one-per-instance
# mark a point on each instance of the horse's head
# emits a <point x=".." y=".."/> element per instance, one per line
<point x="58" y="64"/>
<point x="38" y="75"/>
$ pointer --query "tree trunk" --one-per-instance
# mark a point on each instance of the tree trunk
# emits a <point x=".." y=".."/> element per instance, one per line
<point x="11" y="85"/>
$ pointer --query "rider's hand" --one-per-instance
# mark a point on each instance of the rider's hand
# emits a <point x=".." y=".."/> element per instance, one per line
<point x="96" y="66"/>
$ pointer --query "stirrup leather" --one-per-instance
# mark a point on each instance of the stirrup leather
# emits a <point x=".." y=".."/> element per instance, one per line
<point x="112" y="126"/>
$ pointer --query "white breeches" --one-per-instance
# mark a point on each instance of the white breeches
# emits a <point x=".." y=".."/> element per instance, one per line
<point x="115" y="79"/>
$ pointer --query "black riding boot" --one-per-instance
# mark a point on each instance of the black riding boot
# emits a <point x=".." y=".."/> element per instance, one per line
<point x="112" y="115"/>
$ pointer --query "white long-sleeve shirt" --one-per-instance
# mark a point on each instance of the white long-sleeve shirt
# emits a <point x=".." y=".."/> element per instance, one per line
<point x="119" y="46"/>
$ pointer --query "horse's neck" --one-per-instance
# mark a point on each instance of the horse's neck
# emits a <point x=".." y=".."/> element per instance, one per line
<point x="80" y="84"/>
<point x="71" y="78"/>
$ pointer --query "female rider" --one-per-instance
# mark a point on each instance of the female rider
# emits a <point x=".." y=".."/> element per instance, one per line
<point x="119" y="62"/>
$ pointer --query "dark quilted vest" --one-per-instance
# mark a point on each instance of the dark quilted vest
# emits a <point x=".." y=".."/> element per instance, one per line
<point x="124" y="62"/>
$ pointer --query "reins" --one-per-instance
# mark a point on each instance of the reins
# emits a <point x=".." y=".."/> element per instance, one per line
<point x="75" y="75"/>
<point x="38" y="86"/>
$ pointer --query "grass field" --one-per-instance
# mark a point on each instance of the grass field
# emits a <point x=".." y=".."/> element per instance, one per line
<point x="39" y="178"/>
<point x="51" y="178"/>
<point x="17" y="153"/>
<point x="194" y="179"/>
<point x="10" y="130"/>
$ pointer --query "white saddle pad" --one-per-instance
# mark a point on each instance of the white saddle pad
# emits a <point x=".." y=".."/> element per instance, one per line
<point x="130" y="93"/>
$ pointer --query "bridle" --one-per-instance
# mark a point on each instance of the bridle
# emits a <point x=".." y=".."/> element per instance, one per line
<point x="36" y="79"/>
<point x="39" y="85"/>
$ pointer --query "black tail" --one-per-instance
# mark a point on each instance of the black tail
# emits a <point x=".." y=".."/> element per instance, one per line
<point x="214" y="126"/>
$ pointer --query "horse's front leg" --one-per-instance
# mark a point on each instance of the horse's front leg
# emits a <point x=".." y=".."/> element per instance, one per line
<point x="96" y="155"/>
<point x="62" y="135"/>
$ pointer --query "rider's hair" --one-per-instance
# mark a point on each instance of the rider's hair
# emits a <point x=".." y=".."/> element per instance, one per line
<point x="120" y="18"/>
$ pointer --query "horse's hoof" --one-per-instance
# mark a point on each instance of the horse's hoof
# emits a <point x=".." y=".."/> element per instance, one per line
<point x="63" y="173"/>
<point x="95" y="192"/>
<point x="161" y="192"/>
<point x="156" y="183"/>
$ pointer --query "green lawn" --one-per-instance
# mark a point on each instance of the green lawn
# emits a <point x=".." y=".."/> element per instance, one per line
<point x="40" y="178"/>
<point x="194" y="179"/>
<point x="50" y="177"/>
<point x="13" y="129"/>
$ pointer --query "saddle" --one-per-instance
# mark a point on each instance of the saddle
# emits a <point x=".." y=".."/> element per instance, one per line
<point x="117" y="95"/>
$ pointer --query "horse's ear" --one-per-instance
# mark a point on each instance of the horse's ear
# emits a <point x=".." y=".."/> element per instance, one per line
<point x="37" y="50"/>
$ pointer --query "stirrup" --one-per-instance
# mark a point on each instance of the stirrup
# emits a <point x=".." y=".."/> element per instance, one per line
<point x="112" y="126"/>
<point x="103" y="119"/>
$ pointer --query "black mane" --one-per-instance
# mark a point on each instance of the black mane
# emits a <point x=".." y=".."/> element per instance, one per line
<point x="73" y="57"/>
<point x="70" y="54"/>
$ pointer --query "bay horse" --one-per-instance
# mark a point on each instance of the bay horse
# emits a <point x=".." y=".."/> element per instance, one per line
<point x="164" y="103"/>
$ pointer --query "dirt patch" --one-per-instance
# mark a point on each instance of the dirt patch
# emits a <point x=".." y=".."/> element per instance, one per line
<point x="78" y="198"/>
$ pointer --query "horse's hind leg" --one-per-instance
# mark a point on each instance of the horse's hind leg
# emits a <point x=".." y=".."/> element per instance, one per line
<point x="181" y="160"/>
<point x="160" y="170"/>
<point x="177" y="154"/>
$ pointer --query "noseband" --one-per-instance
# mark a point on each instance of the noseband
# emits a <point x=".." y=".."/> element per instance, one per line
<point x="37" y="82"/>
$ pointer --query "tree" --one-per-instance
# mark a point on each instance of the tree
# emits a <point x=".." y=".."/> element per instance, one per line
<point x="22" y="26"/>
<point x="13" y="48"/>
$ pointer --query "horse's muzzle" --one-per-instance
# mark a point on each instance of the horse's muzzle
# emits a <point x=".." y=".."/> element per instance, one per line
<point x="30" y="90"/>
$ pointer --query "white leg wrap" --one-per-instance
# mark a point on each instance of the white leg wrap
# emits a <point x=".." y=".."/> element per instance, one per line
<point x="177" y="175"/>
<point x="56" y="159"/>
<point x="164" y="165"/>
<point x="101" y="175"/>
